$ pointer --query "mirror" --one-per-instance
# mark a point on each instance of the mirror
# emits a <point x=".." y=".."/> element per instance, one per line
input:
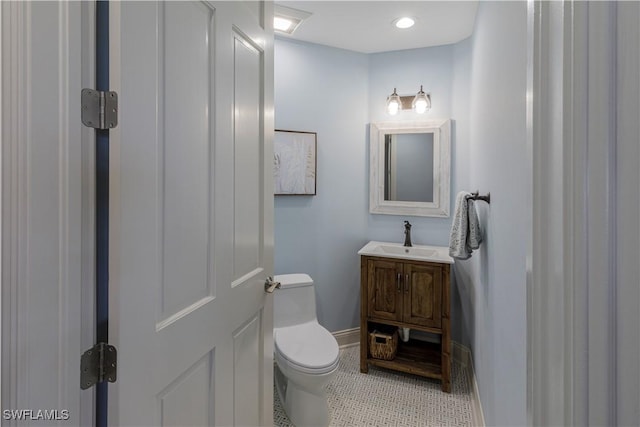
<point x="410" y="168"/>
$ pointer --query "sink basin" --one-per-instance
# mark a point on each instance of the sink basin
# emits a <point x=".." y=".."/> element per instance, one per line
<point x="401" y="250"/>
<point x="417" y="252"/>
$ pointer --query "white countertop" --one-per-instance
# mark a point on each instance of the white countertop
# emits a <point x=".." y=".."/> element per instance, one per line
<point x="438" y="254"/>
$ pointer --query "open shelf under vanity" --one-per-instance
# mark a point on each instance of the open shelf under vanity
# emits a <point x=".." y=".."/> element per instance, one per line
<point x="414" y="357"/>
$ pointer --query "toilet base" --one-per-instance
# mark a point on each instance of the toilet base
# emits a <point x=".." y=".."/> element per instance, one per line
<point x="302" y="406"/>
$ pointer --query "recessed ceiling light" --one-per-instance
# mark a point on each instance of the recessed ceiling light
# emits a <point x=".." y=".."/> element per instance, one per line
<point x="404" y="22"/>
<point x="286" y="20"/>
<point x="282" y="24"/>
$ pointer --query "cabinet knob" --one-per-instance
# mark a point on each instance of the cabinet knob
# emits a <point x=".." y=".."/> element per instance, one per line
<point x="398" y="279"/>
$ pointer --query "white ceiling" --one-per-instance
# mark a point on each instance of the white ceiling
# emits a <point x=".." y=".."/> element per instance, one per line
<point x="367" y="26"/>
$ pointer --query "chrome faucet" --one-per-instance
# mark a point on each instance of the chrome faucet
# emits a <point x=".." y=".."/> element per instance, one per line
<point x="407" y="234"/>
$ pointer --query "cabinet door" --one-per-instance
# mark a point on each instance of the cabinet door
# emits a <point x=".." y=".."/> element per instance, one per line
<point x="384" y="289"/>
<point x="423" y="295"/>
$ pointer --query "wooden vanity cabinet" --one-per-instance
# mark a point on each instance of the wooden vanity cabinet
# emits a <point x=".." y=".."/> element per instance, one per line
<point x="409" y="294"/>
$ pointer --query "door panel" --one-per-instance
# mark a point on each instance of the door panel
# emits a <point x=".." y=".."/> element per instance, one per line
<point x="248" y="154"/>
<point x="256" y="9"/>
<point x="247" y="371"/>
<point x="187" y="400"/>
<point x="185" y="97"/>
<point x="385" y="299"/>
<point x="191" y="239"/>
<point x="423" y="295"/>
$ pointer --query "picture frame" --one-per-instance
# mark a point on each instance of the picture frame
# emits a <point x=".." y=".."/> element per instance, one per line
<point x="294" y="163"/>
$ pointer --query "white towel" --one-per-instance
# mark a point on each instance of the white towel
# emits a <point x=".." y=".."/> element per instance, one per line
<point x="466" y="234"/>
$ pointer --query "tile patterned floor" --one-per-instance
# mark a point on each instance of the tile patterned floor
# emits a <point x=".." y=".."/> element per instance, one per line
<point x="388" y="398"/>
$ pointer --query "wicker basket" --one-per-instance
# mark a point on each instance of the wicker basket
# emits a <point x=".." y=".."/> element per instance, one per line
<point x="383" y="345"/>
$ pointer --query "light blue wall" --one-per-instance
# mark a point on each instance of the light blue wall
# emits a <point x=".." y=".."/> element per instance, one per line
<point x="337" y="93"/>
<point x="480" y="84"/>
<point x="462" y="324"/>
<point x="490" y="81"/>
<point x="325" y="90"/>
<point x="406" y="70"/>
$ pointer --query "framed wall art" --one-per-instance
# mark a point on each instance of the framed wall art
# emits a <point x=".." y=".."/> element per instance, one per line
<point x="294" y="163"/>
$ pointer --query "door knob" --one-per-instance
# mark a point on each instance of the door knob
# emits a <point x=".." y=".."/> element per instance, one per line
<point x="270" y="285"/>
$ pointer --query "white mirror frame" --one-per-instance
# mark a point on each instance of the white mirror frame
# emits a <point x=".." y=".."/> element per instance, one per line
<point x="441" y="129"/>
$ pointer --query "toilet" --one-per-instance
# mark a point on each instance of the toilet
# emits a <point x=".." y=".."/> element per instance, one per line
<point x="306" y="354"/>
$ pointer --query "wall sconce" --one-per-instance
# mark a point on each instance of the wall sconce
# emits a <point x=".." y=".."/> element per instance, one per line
<point x="420" y="103"/>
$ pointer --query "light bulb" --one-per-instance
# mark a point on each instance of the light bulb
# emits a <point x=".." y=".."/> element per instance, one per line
<point x="421" y="106"/>
<point x="394" y="103"/>
<point x="421" y="103"/>
<point x="392" y="108"/>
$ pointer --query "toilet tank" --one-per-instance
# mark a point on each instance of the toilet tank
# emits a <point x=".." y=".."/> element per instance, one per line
<point x="295" y="302"/>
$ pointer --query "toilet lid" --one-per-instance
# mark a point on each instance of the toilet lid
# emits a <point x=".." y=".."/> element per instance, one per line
<point x="308" y="345"/>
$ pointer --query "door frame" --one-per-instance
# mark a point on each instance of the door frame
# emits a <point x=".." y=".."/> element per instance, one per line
<point x="69" y="45"/>
<point x="571" y="252"/>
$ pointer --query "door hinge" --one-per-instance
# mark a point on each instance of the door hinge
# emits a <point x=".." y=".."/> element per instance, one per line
<point x="98" y="364"/>
<point x="99" y="109"/>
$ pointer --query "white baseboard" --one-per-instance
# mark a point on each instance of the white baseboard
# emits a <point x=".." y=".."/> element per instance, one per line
<point x="347" y="337"/>
<point x="460" y="355"/>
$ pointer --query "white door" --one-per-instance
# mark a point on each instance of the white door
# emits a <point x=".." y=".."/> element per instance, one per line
<point x="191" y="212"/>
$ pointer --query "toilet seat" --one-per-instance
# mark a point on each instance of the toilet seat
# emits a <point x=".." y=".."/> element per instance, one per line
<point x="307" y="348"/>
